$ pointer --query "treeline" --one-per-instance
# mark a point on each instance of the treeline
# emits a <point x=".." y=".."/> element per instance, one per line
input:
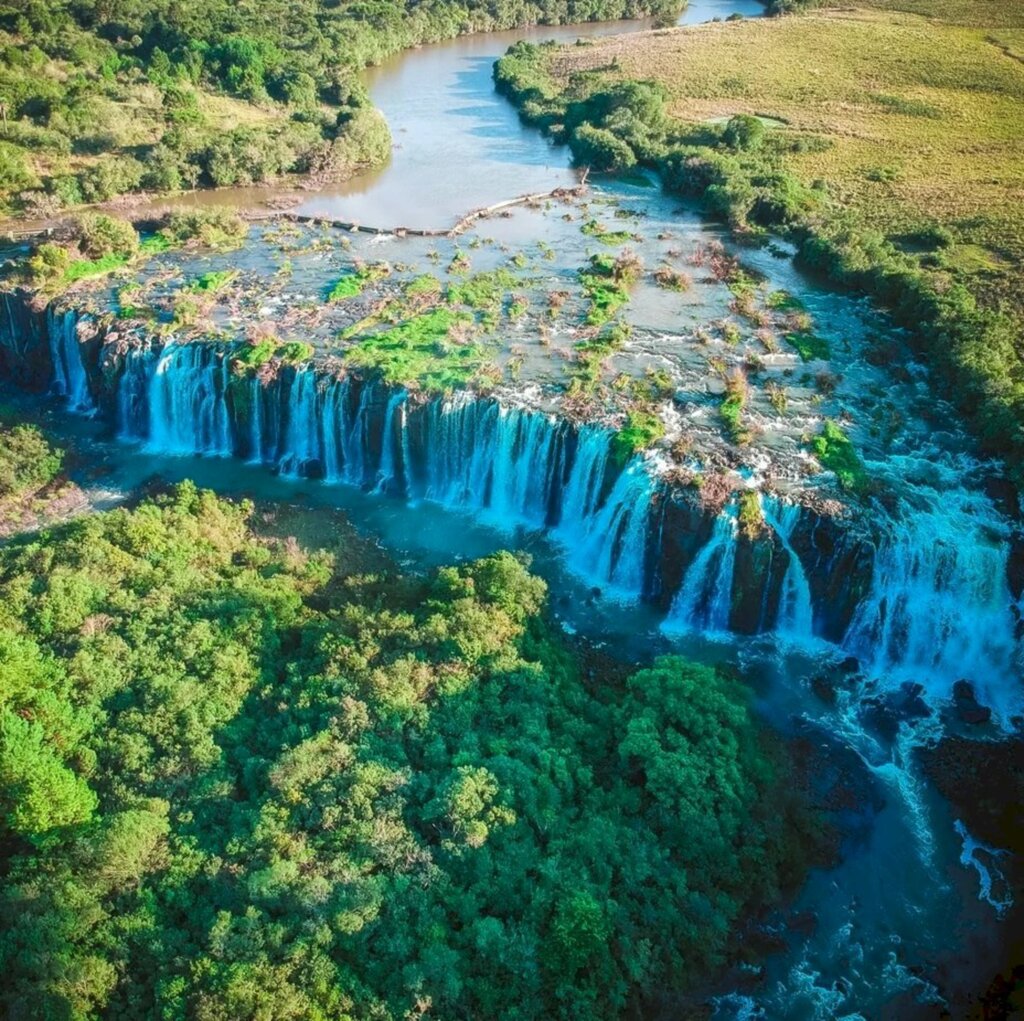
<point x="101" y="98"/>
<point x="239" y="781"/>
<point x="738" y="172"/>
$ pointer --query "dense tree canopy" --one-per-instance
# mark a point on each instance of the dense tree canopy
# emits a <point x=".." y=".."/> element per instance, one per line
<point x="238" y="781"/>
<point x="101" y="97"/>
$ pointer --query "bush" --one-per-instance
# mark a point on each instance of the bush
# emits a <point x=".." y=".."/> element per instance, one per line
<point x="48" y="262"/>
<point x="112" y="175"/>
<point x="363" y="140"/>
<point x="250" y="155"/>
<point x="27" y="461"/>
<point x="599" y="149"/>
<point x="216" y="228"/>
<point x="66" y="189"/>
<point x="744" y="133"/>
<point x="99" y="235"/>
<point x="642" y="430"/>
<point x="15" y="174"/>
<point x="836" y="453"/>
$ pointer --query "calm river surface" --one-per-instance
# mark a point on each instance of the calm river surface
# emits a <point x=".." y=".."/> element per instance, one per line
<point x="458" y="144"/>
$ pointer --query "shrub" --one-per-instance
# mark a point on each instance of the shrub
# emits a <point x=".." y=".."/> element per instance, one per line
<point x="48" y="262"/>
<point x="642" y="430"/>
<point x="27" y="461"/>
<point x="744" y="133"/>
<point x="363" y="140"/>
<point x="834" y="450"/>
<point x="112" y="175"/>
<point x="600" y="149"/>
<point x="15" y="174"/>
<point x="100" y="235"/>
<point x="216" y="228"/>
<point x="66" y="189"/>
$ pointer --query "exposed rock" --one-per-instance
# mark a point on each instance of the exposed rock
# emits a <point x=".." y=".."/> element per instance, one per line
<point x="984" y="781"/>
<point x="824" y="688"/>
<point x="967" y="706"/>
<point x="838" y="562"/>
<point x="685" y="527"/>
<point x="884" y="713"/>
<point x="759" y="571"/>
<point x="837" y="783"/>
<point x="24" y="343"/>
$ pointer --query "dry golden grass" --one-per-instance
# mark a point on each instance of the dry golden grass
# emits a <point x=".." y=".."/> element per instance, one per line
<point x="925" y="116"/>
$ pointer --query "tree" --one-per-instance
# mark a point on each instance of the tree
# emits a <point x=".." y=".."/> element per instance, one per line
<point x="744" y="132"/>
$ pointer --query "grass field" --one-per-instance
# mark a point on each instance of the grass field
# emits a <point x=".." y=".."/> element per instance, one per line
<point x="921" y="103"/>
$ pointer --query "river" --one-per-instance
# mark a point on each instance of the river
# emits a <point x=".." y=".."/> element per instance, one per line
<point x="900" y="923"/>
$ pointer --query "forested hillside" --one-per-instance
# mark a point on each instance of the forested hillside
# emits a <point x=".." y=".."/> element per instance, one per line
<point x="238" y="781"/>
<point x="101" y="98"/>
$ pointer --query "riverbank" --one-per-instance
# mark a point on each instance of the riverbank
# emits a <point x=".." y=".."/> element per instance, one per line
<point x="98" y="105"/>
<point x="933" y="234"/>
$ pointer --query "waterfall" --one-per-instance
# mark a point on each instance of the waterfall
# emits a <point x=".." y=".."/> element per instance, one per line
<point x="487" y="457"/>
<point x="460" y="456"/>
<point x="256" y="426"/>
<point x="704" y="600"/>
<point x="609" y="544"/>
<point x="515" y="467"/>
<point x="796" y="616"/>
<point x="355" y="433"/>
<point x="524" y="455"/>
<point x="405" y="447"/>
<point x="939" y="607"/>
<point x="583" y="488"/>
<point x="388" y="463"/>
<point x="188" y="412"/>
<point x="69" y="376"/>
<point x="132" y="394"/>
<point x="334" y="416"/>
<point x="302" y="431"/>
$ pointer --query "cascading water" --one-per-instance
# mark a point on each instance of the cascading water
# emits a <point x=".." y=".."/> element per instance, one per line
<point x="939" y="608"/>
<point x="302" y="446"/>
<point x="353" y="431"/>
<point x="390" y="466"/>
<point x="69" y="376"/>
<point x="583" y="490"/>
<point x="256" y="426"/>
<point x="609" y="543"/>
<point x="704" y="600"/>
<point x="188" y="411"/>
<point x="796" y="615"/>
<point x="133" y="394"/>
<point x="460" y="458"/>
<point x="516" y="467"/>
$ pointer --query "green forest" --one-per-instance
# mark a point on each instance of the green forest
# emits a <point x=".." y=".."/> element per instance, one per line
<point x="103" y="97"/>
<point x="239" y="779"/>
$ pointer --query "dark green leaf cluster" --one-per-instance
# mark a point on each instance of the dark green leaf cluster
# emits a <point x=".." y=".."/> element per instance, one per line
<point x="27" y="461"/>
<point x="81" y="81"/>
<point x="239" y="781"/>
